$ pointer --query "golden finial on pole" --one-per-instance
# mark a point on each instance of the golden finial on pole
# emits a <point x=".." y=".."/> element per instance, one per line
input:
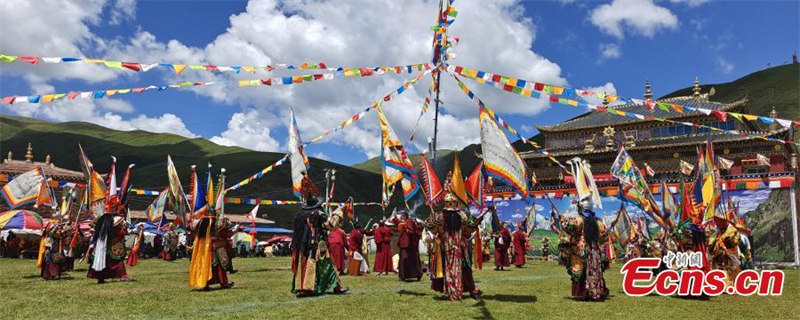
<point x="696" y="89"/>
<point x="29" y="154"/>
<point x="648" y="94"/>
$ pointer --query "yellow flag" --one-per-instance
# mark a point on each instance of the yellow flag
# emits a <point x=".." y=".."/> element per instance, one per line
<point x="457" y="182"/>
<point x="98" y="191"/>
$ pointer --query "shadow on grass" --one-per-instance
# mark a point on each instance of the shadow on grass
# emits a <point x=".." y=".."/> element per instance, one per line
<point x="578" y="299"/>
<point x="404" y="292"/>
<point x="485" y="314"/>
<point x="265" y="270"/>
<point x="510" y="298"/>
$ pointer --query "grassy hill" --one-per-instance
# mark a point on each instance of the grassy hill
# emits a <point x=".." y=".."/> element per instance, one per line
<point x="149" y="151"/>
<point x="778" y="87"/>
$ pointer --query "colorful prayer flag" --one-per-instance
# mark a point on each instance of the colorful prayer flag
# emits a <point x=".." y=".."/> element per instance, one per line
<point x="298" y="158"/>
<point x="501" y="161"/>
<point x="431" y="185"/>
<point x="395" y="162"/>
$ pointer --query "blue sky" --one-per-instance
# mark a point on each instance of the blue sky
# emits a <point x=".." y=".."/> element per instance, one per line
<point x="604" y="45"/>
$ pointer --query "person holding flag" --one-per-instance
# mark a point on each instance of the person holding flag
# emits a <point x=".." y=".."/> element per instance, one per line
<point x="108" y="255"/>
<point x="451" y="268"/>
<point x="209" y="255"/>
<point x="313" y="272"/>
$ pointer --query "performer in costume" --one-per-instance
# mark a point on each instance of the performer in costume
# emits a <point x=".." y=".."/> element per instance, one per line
<point x="210" y="260"/>
<point x="312" y="268"/>
<point x="409" y="267"/>
<point x="221" y="252"/>
<point x="337" y="239"/>
<point x="383" y="254"/>
<point x="108" y="260"/>
<point x="581" y="253"/>
<point x="51" y="253"/>
<point x="451" y="270"/>
<point x="502" y="242"/>
<point x="546" y="249"/>
<point x="356" y="244"/>
<point x="521" y="244"/>
<point x="170" y="244"/>
<point x="725" y="253"/>
<point x="209" y="256"/>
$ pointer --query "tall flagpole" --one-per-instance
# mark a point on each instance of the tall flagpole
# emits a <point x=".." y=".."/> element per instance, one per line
<point x="437" y="58"/>
<point x="435" y="119"/>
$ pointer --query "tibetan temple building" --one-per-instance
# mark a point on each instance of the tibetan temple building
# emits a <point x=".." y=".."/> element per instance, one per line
<point x="594" y="137"/>
<point x="761" y="181"/>
<point x="11" y="167"/>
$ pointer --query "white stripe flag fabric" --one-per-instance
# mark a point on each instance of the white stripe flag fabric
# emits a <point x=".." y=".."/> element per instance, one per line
<point x="725" y="163"/>
<point x="762" y="160"/>
<point x="686" y="168"/>
<point x="253" y="213"/>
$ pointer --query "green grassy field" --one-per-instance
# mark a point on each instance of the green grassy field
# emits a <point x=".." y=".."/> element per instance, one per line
<point x="538" y="291"/>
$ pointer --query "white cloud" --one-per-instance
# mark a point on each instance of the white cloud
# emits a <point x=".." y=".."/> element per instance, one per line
<point x="642" y="17"/>
<point x="321" y="156"/>
<point x="495" y="37"/>
<point x="122" y="11"/>
<point x="526" y="128"/>
<point x="246" y="129"/>
<point x="690" y="3"/>
<point x="166" y="123"/>
<point x="750" y="199"/>
<point x="724" y="66"/>
<point x="293" y="32"/>
<point x="51" y="28"/>
<point x="116" y="105"/>
<point x="609" y="51"/>
<point x="607" y="88"/>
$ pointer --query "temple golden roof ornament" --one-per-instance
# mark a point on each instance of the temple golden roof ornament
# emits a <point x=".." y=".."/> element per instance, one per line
<point x="696" y="89"/>
<point x="9" y="156"/>
<point x="29" y="154"/>
<point x="605" y="99"/>
<point x="609" y="133"/>
<point x="774" y="114"/>
<point x="648" y="94"/>
<point x="47" y="159"/>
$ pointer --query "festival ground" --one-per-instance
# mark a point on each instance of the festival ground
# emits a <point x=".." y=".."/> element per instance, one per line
<point x="540" y="290"/>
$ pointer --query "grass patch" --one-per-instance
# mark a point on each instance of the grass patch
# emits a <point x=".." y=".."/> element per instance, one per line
<point x="540" y="290"/>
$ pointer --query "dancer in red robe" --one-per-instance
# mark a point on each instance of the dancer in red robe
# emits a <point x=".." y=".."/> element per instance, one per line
<point x="337" y="240"/>
<point x="520" y="240"/>
<point x="355" y="244"/>
<point x="409" y="267"/>
<point x="383" y="255"/>
<point x="52" y="257"/>
<point x="502" y="242"/>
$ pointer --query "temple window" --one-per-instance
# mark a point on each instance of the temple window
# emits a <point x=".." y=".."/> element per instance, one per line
<point x="670" y="131"/>
<point x="727" y="125"/>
